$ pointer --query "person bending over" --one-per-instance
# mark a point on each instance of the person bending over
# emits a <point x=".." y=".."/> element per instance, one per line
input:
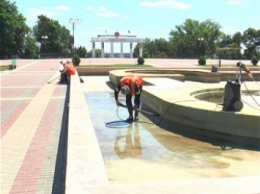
<point x="130" y="85"/>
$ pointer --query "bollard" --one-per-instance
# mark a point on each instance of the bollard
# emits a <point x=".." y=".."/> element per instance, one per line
<point x="14" y="63"/>
<point x="219" y="63"/>
<point x="214" y="68"/>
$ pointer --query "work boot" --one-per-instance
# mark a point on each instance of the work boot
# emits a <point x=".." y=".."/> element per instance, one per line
<point x="130" y="119"/>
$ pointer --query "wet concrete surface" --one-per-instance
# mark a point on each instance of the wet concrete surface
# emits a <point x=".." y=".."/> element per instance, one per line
<point x="144" y="152"/>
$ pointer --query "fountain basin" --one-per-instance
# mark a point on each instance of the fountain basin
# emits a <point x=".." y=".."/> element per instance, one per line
<point x="180" y="105"/>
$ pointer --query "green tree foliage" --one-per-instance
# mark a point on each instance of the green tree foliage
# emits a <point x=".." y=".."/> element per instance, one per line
<point x="158" y="48"/>
<point x="97" y="53"/>
<point x="193" y="39"/>
<point x="148" y="49"/>
<point x="229" y="47"/>
<point x="12" y="30"/>
<point x="251" y="40"/>
<point x="237" y="39"/>
<point x="54" y="39"/>
<point x="76" y="60"/>
<point x="30" y="50"/>
<point x="81" y="51"/>
<point x="228" y="53"/>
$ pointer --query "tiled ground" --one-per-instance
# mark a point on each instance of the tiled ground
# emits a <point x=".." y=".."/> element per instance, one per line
<point x="33" y="130"/>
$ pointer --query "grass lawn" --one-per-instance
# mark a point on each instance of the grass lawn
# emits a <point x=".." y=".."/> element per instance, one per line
<point x="4" y="67"/>
<point x="118" y="66"/>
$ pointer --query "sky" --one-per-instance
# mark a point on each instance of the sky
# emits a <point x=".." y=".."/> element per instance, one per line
<point x="144" y="18"/>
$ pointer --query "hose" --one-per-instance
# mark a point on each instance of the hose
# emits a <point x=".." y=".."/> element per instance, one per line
<point x="251" y="95"/>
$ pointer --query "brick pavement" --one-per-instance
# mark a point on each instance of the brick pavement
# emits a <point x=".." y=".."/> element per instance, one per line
<point x="33" y="129"/>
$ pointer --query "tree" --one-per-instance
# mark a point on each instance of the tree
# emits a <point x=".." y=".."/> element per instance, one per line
<point x="163" y="48"/>
<point x="237" y="39"/>
<point x="158" y="48"/>
<point x="97" y="53"/>
<point x="251" y="40"/>
<point x="210" y="34"/>
<point x="146" y="51"/>
<point x="29" y="49"/>
<point x="81" y="51"/>
<point x="54" y="39"/>
<point x="185" y="39"/>
<point x="229" y="46"/>
<point x="13" y="30"/>
<point x="193" y="39"/>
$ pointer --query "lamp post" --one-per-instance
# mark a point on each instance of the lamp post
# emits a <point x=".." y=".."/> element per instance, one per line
<point x="200" y="41"/>
<point x="44" y="40"/>
<point x="73" y="22"/>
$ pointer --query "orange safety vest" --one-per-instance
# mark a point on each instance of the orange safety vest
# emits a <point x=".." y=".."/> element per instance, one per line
<point x="132" y="81"/>
<point x="70" y="69"/>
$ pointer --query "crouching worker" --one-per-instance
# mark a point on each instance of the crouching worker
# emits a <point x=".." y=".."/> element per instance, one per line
<point x="130" y="85"/>
<point x="68" y="70"/>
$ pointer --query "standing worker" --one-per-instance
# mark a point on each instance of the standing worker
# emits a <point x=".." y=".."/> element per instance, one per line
<point x="130" y="85"/>
<point x="68" y="70"/>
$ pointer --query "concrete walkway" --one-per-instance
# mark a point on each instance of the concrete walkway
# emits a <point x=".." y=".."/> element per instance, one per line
<point x="142" y="174"/>
<point x="34" y="141"/>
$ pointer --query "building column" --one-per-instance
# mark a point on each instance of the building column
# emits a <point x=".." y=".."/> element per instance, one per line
<point x="111" y="49"/>
<point x="140" y="49"/>
<point x="121" y="50"/>
<point x="102" y="49"/>
<point x="93" y="50"/>
<point x="131" y="50"/>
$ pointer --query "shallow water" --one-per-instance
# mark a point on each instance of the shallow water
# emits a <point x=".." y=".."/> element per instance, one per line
<point x="145" y="152"/>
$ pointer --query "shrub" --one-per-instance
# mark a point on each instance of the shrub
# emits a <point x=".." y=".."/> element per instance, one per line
<point x="202" y="60"/>
<point x="76" y="60"/>
<point x="140" y="60"/>
<point x="254" y="60"/>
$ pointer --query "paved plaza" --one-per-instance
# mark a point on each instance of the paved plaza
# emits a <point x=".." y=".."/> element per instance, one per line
<point x="34" y="120"/>
<point x="33" y="129"/>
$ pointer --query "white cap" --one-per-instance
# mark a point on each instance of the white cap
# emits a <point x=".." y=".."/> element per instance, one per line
<point x="63" y="62"/>
<point x="125" y="89"/>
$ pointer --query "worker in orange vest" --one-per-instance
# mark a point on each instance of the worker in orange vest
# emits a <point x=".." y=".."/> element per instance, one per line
<point x="68" y="70"/>
<point x="130" y="85"/>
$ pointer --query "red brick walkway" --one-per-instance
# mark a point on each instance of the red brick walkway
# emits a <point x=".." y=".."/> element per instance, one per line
<point x="33" y="128"/>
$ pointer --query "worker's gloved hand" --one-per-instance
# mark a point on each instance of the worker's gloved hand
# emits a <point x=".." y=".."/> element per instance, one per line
<point x="135" y="108"/>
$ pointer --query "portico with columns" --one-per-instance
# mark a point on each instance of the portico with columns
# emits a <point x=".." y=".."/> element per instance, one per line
<point x="116" y="38"/>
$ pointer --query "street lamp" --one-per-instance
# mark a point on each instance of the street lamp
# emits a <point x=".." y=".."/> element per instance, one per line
<point x="44" y="37"/>
<point x="73" y="22"/>
<point x="43" y="44"/>
<point x="200" y="41"/>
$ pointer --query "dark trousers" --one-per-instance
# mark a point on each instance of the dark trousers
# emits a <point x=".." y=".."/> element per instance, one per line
<point x="63" y="77"/>
<point x="130" y="105"/>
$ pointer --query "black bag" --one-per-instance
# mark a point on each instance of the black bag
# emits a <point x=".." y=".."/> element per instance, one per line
<point x="232" y="97"/>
